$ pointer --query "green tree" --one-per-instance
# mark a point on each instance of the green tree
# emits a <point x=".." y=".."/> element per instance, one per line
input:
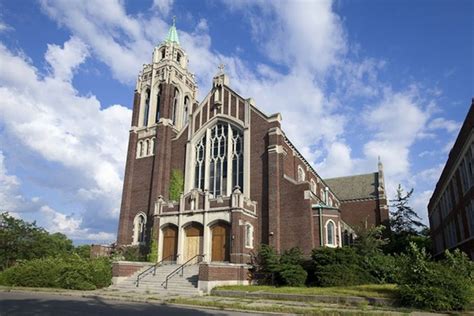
<point x="404" y="219"/>
<point x="20" y="240"/>
<point x="176" y="184"/>
<point x="369" y="241"/>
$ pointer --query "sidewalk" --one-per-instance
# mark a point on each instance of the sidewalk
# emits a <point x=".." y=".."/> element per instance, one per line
<point x="246" y="304"/>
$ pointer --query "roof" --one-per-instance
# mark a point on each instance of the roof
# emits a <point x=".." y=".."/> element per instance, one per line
<point x="172" y="34"/>
<point x="363" y="186"/>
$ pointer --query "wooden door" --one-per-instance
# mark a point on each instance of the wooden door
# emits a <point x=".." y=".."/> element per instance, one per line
<point x="193" y="245"/>
<point x="170" y="243"/>
<point x="220" y="242"/>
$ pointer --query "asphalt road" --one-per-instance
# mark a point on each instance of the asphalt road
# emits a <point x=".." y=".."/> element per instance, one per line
<point x="47" y="304"/>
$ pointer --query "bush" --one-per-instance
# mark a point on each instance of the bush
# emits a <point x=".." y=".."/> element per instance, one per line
<point x="132" y="253"/>
<point x="291" y="275"/>
<point x="381" y="267"/>
<point x="70" y="272"/>
<point x="342" y="275"/>
<point x="443" y="285"/>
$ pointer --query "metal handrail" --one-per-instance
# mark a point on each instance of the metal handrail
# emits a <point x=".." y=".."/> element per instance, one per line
<point x="169" y="276"/>
<point x="143" y="273"/>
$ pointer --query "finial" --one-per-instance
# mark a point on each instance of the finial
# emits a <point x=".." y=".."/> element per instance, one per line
<point x="379" y="158"/>
<point x="174" y="20"/>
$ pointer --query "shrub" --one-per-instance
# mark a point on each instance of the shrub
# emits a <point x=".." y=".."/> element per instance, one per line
<point x="342" y="275"/>
<point x="132" y="253"/>
<point x="291" y="275"/>
<point x="69" y="272"/>
<point x="381" y="267"/>
<point x="176" y="184"/>
<point x="443" y="285"/>
<point x="153" y="254"/>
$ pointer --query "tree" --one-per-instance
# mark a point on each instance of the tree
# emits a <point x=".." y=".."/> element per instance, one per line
<point x="404" y="219"/>
<point x="20" y="240"/>
<point x="369" y="241"/>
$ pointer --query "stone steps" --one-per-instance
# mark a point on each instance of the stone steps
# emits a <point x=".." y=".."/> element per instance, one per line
<point x="151" y="284"/>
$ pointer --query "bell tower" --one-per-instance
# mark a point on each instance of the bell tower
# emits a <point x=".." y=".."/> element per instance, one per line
<point x="165" y="94"/>
<point x="166" y="80"/>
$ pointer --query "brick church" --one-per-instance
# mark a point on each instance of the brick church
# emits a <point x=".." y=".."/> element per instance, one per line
<point x="241" y="181"/>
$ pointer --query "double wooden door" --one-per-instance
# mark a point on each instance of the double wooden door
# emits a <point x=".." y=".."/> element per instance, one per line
<point x="220" y="242"/>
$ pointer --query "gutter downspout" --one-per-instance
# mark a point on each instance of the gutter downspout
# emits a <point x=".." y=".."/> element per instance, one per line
<point x="321" y="225"/>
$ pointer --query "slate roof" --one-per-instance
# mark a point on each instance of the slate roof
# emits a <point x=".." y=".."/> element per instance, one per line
<point x="363" y="186"/>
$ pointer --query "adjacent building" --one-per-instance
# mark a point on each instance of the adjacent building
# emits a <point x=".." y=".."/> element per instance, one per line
<point x="451" y="207"/>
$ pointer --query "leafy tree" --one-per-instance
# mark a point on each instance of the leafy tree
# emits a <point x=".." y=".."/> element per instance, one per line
<point x="20" y="240"/>
<point x="176" y="184"/>
<point x="369" y="241"/>
<point x="83" y="251"/>
<point x="404" y="219"/>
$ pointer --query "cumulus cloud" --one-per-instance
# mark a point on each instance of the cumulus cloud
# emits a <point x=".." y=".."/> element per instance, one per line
<point x="63" y="127"/>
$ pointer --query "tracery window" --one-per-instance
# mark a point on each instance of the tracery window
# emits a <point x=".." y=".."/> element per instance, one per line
<point x="175" y="106"/>
<point x="158" y="101"/>
<point x="224" y="145"/>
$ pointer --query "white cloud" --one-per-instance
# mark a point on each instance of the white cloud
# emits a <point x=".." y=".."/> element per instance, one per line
<point x="441" y="123"/>
<point x="9" y="188"/>
<point x="63" y="127"/>
<point x="163" y="6"/>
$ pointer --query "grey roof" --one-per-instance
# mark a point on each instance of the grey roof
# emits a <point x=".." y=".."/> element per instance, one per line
<point x="363" y="186"/>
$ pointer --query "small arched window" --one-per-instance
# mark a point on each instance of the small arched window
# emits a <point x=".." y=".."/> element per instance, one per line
<point x="248" y="235"/>
<point x="152" y="145"/>
<point x="301" y="174"/>
<point x="330" y="233"/>
<point x="175" y="106"/>
<point x="139" y="225"/>
<point x="178" y="57"/>
<point x="139" y="149"/>
<point x="147" y="107"/>
<point x="147" y="147"/>
<point x="186" y="110"/>
<point x="163" y="53"/>
<point x="313" y="186"/>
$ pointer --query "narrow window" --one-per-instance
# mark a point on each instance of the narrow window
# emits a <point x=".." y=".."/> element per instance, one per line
<point x="301" y="174"/>
<point x="178" y="57"/>
<point x="163" y="52"/>
<point x="248" y="236"/>
<point x="139" y="228"/>
<point x="147" y="108"/>
<point x="142" y="149"/>
<point x="158" y="104"/>
<point x="330" y="233"/>
<point x="186" y="110"/>
<point x="237" y="159"/>
<point x="200" y="163"/>
<point x="175" y="106"/>
<point x="148" y="147"/>
<point x="313" y="186"/>
<point x="139" y="149"/>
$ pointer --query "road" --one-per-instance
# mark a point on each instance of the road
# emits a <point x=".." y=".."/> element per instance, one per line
<point x="12" y="303"/>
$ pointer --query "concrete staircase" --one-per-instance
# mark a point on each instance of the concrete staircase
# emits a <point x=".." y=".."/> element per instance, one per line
<point x="185" y="285"/>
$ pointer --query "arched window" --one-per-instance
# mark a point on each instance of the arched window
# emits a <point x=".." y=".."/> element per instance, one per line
<point x="225" y="145"/>
<point x="178" y="57"/>
<point x="139" y="149"/>
<point x="163" y="53"/>
<point x="186" y="110"/>
<point x="139" y="225"/>
<point x="301" y="174"/>
<point x="147" y="107"/>
<point x="321" y="192"/>
<point x="313" y="186"/>
<point x="329" y="201"/>
<point x="330" y="233"/>
<point x="158" y="104"/>
<point x="175" y="106"/>
<point x="147" y="147"/>
<point x="152" y="145"/>
<point x="248" y="235"/>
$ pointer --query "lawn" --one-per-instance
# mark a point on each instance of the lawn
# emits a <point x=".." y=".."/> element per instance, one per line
<point x="369" y="290"/>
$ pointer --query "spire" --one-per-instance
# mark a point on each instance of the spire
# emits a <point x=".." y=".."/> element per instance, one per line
<point x="172" y="33"/>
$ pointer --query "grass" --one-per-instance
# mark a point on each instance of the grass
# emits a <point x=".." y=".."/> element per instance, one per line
<point x="276" y="308"/>
<point x="369" y="290"/>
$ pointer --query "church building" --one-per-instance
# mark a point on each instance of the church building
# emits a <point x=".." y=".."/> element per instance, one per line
<point x="211" y="180"/>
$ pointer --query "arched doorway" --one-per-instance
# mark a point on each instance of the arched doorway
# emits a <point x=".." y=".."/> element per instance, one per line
<point x="170" y="243"/>
<point x="194" y="241"/>
<point x="220" y="242"/>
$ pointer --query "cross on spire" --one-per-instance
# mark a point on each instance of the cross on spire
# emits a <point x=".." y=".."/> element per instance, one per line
<point x="221" y="68"/>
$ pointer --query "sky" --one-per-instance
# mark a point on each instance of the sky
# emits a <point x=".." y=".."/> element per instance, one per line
<point x="353" y="80"/>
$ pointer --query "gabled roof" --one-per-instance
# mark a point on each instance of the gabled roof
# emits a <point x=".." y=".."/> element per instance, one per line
<point x="363" y="186"/>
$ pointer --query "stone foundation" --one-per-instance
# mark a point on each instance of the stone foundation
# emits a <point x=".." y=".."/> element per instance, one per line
<point x="217" y="274"/>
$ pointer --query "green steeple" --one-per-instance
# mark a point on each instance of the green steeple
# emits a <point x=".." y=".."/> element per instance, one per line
<point x="172" y="33"/>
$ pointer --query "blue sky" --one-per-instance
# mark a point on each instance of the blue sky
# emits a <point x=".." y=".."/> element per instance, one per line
<point x="354" y="80"/>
